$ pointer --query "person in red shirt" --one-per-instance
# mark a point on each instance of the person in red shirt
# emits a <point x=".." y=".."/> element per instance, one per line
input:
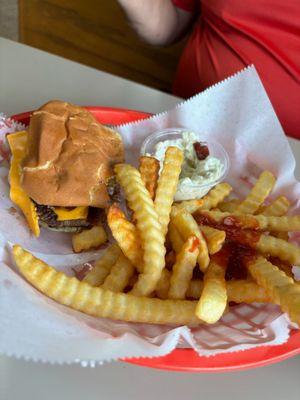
<point x="227" y="36"/>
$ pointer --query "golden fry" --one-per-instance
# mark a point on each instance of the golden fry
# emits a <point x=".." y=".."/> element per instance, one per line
<point x="211" y="200"/>
<point x="126" y="234"/>
<point x="229" y="206"/>
<point x="269" y="276"/>
<point x="149" y="228"/>
<point x="281" y="288"/>
<point x="187" y="226"/>
<point x="275" y="247"/>
<point x="190" y="206"/>
<point x="149" y="169"/>
<point x="103" y="266"/>
<point x="175" y="237"/>
<point x="119" y="275"/>
<point x="277" y="208"/>
<point x="238" y="291"/>
<point x="214" y="238"/>
<point x="245" y="291"/>
<point x="100" y="302"/>
<point x="279" y="224"/>
<point x="167" y="185"/>
<point x="89" y="238"/>
<point x="216" y="195"/>
<point x="213" y="299"/>
<point x="162" y="288"/>
<point x="258" y="194"/>
<point x="183" y="268"/>
<point x="247" y="221"/>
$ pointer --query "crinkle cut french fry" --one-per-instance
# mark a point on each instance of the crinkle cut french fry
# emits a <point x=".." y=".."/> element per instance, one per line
<point x="187" y="226"/>
<point x="213" y="299"/>
<point x="149" y="227"/>
<point x="214" y="238"/>
<point x="190" y="206"/>
<point x="277" y="208"/>
<point x="211" y="200"/>
<point x="281" y="288"/>
<point x="238" y="291"/>
<point x="279" y="224"/>
<point x="244" y="221"/>
<point x="245" y="291"/>
<point x="102" y="267"/>
<point x="100" y="302"/>
<point x="119" y="275"/>
<point x="269" y="276"/>
<point x="162" y="288"/>
<point x="228" y="206"/>
<point x="247" y="221"/>
<point x="183" y="268"/>
<point x="279" y="248"/>
<point x="149" y="169"/>
<point x="89" y="238"/>
<point x="126" y="234"/>
<point x="167" y="185"/>
<point x="258" y="193"/>
<point x="216" y="195"/>
<point x="175" y="237"/>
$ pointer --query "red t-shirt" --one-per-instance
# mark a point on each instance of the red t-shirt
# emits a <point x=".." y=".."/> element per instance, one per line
<point x="231" y="34"/>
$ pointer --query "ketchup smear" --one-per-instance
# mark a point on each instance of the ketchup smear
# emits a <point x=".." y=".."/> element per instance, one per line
<point x="239" y="246"/>
<point x="194" y="245"/>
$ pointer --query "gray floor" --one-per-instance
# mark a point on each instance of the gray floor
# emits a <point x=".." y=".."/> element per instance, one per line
<point x="9" y="19"/>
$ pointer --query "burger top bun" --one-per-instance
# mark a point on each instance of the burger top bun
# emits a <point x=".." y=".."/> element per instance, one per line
<point x="70" y="156"/>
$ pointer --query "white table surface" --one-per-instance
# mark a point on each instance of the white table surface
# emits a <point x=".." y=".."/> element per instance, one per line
<point x="28" y="78"/>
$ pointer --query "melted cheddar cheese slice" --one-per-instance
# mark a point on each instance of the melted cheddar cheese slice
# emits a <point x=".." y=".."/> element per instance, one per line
<point x="18" y="143"/>
<point x="64" y="213"/>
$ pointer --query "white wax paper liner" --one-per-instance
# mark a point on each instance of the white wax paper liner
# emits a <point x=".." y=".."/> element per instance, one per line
<point x="235" y="112"/>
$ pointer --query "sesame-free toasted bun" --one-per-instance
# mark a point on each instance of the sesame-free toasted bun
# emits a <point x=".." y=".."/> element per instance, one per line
<point x="70" y="156"/>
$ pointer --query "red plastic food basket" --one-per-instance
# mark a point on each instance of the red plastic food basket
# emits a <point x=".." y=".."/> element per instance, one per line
<point x="187" y="359"/>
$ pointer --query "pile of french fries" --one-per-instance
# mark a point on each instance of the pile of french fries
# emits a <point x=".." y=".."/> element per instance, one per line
<point x="148" y="274"/>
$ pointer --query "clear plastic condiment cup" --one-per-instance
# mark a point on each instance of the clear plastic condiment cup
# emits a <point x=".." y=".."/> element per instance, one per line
<point x="215" y="150"/>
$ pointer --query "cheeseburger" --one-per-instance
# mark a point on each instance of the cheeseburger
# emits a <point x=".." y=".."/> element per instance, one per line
<point x="61" y="165"/>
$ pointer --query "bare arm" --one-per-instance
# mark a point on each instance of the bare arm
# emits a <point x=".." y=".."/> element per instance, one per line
<point x="158" y="22"/>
